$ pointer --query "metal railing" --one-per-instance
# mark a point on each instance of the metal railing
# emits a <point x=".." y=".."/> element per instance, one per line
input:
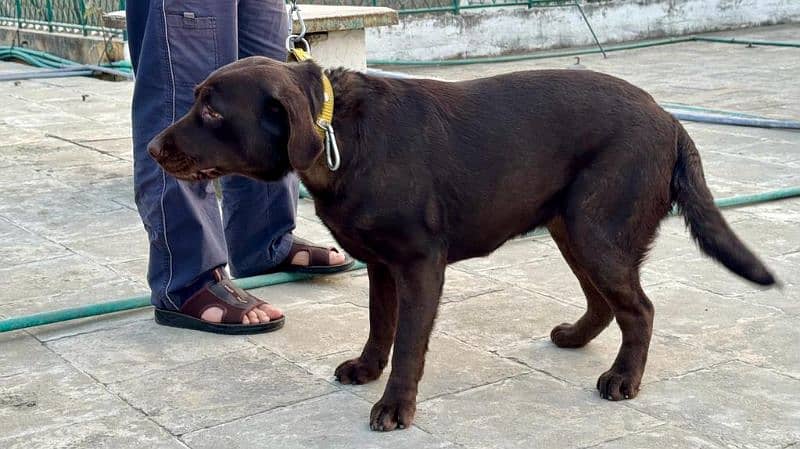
<point x="63" y="16"/>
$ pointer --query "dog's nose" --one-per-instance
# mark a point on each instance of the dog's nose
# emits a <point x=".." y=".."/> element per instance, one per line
<point x="156" y="148"/>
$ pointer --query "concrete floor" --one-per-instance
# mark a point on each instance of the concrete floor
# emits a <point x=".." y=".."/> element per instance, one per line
<point x="724" y="367"/>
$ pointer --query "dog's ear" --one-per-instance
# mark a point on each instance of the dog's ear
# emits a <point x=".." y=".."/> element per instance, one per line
<point x="302" y="105"/>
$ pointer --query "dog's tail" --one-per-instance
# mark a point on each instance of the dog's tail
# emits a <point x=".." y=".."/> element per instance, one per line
<point x="704" y="220"/>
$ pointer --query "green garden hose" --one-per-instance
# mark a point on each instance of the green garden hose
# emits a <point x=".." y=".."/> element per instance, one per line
<point x="49" y="61"/>
<point x="102" y="308"/>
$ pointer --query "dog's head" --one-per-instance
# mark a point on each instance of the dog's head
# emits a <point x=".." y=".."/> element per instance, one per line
<point x="254" y="117"/>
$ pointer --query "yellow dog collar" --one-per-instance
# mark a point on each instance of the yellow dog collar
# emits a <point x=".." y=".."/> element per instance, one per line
<point x="325" y="119"/>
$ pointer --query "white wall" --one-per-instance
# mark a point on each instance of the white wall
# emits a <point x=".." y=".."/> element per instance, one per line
<point x="494" y="31"/>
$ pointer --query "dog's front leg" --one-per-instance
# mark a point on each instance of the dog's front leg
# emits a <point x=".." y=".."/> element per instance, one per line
<point x="382" y="325"/>
<point x="419" y="286"/>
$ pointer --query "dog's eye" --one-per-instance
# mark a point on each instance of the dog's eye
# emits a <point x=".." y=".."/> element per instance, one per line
<point x="210" y="116"/>
<point x="274" y="107"/>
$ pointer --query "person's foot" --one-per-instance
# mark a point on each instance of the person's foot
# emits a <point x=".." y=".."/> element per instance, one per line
<point x="303" y="254"/>
<point x="223" y="308"/>
<point x="303" y="258"/>
<point x="306" y="257"/>
<point x="262" y="313"/>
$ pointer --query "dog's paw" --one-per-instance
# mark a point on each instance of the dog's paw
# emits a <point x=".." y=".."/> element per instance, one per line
<point x="565" y="336"/>
<point x="616" y="386"/>
<point x="392" y="414"/>
<point x="357" y="372"/>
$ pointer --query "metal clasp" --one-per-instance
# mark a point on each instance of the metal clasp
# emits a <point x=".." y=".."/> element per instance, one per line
<point x="331" y="148"/>
<point x="293" y="39"/>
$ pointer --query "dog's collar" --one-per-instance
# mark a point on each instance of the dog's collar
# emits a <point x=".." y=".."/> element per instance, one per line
<point x="324" y="120"/>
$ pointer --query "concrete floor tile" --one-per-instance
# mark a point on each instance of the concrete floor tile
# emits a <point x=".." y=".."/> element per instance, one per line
<point x="549" y="275"/>
<point x="131" y="351"/>
<point x="529" y="411"/>
<point x="114" y="432"/>
<point x="71" y="328"/>
<point x="118" y="147"/>
<point x="18" y="246"/>
<point x="51" y="278"/>
<point x="115" y="248"/>
<point x="72" y="222"/>
<point x="135" y="269"/>
<point x="733" y="404"/>
<point x="51" y="156"/>
<point x="759" y="173"/>
<point x="315" y="330"/>
<point x="770" y="343"/>
<point x="334" y="421"/>
<point x="83" y="294"/>
<point x="777" y="211"/>
<point x="336" y="289"/>
<point x="450" y="366"/>
<point x="700" y="272"/>
<point x="39" y="401"/>
<point x="663" y="437"/>
<point x="690" y="314"/>
<point x="22" y="354"/>
<point x="498" y="320"/>
<point x="767" y="150"/>
<point x="221" y="389"/>
<point x="786" y="298"/>
<point x="512" y="253"/>
<point x="581" y="367"/>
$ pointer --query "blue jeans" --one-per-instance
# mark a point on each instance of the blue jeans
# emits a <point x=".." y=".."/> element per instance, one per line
<point x="174" y="45"/>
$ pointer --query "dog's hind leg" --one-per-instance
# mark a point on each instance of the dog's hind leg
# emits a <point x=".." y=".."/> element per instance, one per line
<point x="611" y="214"/>
<point x="615" y="275"/>
<point x="382" y="325"/>
<point x="598" y="313"/>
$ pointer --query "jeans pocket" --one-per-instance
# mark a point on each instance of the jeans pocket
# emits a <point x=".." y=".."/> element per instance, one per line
<point x="192" y="47"/>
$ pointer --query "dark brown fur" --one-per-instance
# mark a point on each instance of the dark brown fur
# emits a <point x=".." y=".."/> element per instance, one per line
<point x="435" y="172"/>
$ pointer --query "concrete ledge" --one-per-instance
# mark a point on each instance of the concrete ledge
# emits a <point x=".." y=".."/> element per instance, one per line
<point x="318" y="18"/>
<point x="75" y="47"/>
<point x="335" y="33"/>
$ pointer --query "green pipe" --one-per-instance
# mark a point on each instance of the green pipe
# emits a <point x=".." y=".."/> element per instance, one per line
<point x="744" y="41"/>
<point x="559" y="54"/>
<point x="137" y="302"/>
<point x="756" y="198"/>
<point x="47" y="60"/>
<point x="56" y="316"/>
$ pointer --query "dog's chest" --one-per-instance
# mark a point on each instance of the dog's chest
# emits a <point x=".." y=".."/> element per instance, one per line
<point x="375" y="233"/>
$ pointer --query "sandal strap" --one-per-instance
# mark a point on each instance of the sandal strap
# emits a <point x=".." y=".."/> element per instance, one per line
<point x="233" y="301"/>
<point x="317" y="255"/>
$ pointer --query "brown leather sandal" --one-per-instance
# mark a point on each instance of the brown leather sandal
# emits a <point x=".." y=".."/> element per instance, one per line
<point x="224" y="294"/>
<point x="318" y="258"/>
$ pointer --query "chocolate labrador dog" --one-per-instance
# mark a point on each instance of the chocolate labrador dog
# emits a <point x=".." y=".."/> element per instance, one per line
<point x="435" y="172"/>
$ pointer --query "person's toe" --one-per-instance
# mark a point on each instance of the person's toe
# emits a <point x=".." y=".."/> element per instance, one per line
<point x="272" y="312"/>
<point x="336" y="258"/>
<point x="253" y="317"/>
<point x="262" y="315"/>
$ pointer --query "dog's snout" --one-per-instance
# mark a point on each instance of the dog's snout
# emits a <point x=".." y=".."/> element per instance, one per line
<point x="157" y="148"/>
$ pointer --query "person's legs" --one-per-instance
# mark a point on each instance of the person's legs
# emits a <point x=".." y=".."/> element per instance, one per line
<point x="175" y="44"/>
<point x="259" y="217"/>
